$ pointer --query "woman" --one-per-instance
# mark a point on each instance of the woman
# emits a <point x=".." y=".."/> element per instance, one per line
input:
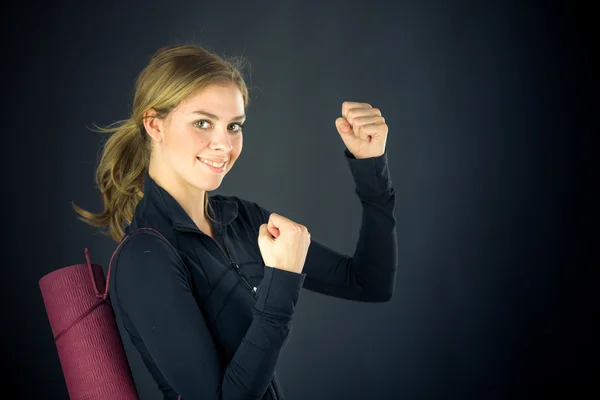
<point x="210" y="308"/>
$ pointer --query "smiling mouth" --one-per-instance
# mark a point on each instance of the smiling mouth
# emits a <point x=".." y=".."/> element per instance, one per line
<point x="217" y="167"/>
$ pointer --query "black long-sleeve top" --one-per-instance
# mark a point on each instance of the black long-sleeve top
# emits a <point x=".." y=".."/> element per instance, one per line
<point x="207" y="316"/>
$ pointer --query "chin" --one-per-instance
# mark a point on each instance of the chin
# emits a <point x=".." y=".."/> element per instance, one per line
<point x="211" y="188"/>
<point x="208" y="188"/>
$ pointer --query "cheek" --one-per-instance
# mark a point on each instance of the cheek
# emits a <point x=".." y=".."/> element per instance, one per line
<point x="195" y="141"/>
<point x="237" y="145"/>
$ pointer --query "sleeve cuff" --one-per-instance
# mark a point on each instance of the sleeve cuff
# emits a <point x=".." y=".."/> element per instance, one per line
<point x="371" y="175"/>
<point x="278" y="292"/>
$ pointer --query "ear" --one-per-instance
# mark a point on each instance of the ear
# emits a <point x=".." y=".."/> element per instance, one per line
<point x="154" y="126"/>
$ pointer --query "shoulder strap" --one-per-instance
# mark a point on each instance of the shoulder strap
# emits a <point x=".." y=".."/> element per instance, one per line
<point x="103" y="295"/>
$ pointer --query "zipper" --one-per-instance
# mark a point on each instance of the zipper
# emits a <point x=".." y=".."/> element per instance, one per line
<point x="272" y="390"/>
<point x="253" y="290"/>
<point x="236" y="267"/>
<point x="225" y="251"/>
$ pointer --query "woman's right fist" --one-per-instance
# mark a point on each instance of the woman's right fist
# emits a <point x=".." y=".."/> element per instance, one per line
<point x="283" y="243"/>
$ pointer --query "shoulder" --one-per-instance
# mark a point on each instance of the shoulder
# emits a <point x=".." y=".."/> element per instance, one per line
<point x="146" y="241"/>
<point x="145" y="253"/>
<point x="145" y="269"/>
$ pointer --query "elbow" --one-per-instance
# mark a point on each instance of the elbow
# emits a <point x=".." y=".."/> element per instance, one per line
<point x="381" y="289"/>
<point x="382" y="296"/>
<point x="387" y="296"/>
<point x="379" y="293"/>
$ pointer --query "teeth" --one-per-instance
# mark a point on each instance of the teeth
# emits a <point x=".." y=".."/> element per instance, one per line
<point x="212" y="163"/>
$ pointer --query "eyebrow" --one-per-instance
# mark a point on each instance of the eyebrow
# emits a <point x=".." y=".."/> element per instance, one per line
<point x="213" y="116"/>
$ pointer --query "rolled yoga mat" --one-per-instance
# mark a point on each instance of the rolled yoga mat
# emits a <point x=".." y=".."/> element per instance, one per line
<point x="86" y="335"/>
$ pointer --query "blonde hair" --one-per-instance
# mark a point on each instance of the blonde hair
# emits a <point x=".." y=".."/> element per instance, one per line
<point x="173" y="73"/>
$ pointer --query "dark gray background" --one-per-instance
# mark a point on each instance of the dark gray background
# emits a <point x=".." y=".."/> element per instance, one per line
<point x="489" y="105"/>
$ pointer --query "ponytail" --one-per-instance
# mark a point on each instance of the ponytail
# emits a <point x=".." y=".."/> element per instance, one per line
<point x="120" y="177"/>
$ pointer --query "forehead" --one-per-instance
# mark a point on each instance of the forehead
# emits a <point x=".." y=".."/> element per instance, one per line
<point x="221" y="99"/>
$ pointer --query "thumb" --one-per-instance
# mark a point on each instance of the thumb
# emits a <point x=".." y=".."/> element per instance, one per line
<point x="263" y="232"/>
<point x="273" y="231"/>
<point x="268" y="232"/>
<point x="343" y="126"/>
<point x="275" y="223"/>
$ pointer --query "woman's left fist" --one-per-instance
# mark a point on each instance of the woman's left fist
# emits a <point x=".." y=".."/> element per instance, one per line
<point x="363" y="129"/>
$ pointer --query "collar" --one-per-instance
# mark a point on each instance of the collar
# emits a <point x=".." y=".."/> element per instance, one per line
<point x="221" y="208"/>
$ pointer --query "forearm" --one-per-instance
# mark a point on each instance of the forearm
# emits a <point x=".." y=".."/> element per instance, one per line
<point x="251" y="368"/>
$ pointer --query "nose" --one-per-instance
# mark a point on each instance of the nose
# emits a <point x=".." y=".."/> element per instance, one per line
<point x="221" y="140"/>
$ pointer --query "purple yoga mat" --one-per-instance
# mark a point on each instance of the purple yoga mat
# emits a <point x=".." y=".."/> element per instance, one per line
<point x="86" y="335"/>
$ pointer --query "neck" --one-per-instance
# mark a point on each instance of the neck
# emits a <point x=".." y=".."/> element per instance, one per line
<point x="190" y="198"/>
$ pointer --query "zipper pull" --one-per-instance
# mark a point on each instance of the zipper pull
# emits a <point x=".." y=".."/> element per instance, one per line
<point x="239" y="271"/>
<point x="237" y="268"/>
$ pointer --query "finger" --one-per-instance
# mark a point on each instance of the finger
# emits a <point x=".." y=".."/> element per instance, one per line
<point x="367" y="120"/>
<point x="271" y="221"/>
<point x="278" y="221"/>
<point x="354" y="113"/>
<point x="263" y="231"/>
<point x="359" y="122"/>
<point x="268" y="232"/>
<point x="347" y="105"/>
<point x="373" y="131"/>
<point x="342" y="125"/>
<point x="274" y="232"/>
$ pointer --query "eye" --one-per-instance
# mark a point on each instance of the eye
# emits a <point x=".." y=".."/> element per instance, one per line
<point x="199" y="123"/>
<point x="239" y="127"/>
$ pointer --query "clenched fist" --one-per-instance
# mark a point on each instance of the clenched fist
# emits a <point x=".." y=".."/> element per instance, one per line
<point x="283" y="243"/>
<point x="363" y="129"/>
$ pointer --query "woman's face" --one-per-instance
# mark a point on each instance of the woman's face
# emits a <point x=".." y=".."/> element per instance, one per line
<point x="207" y="126"/>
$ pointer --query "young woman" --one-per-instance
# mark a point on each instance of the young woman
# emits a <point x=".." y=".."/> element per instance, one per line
<point x="206" y="286"/>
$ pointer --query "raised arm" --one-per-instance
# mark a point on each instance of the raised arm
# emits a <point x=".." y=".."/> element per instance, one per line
<point x="369" y="274"/>
<point x="152" y="287"/>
